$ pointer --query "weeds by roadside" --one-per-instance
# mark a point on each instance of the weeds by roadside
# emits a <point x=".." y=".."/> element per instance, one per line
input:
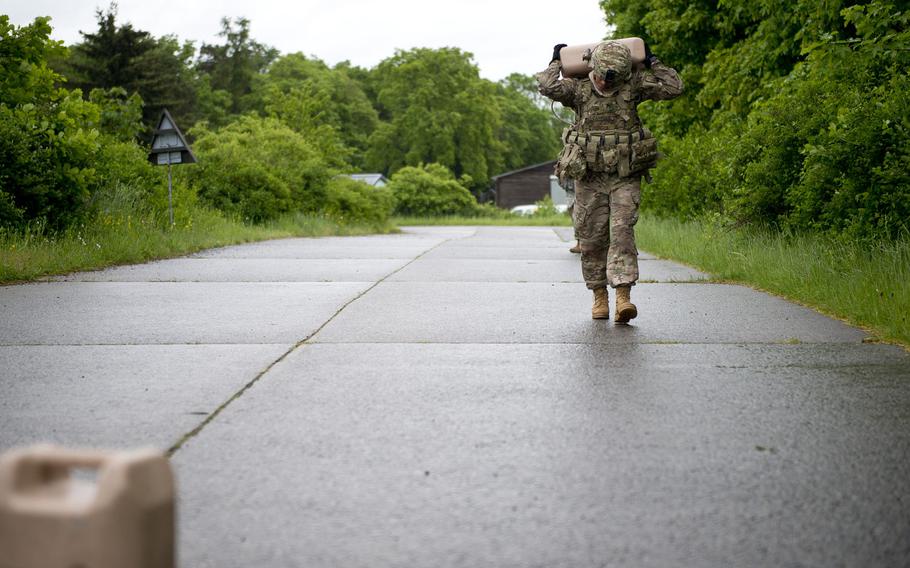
<point x="121" y="238"/>
<point x="865" y="284"/>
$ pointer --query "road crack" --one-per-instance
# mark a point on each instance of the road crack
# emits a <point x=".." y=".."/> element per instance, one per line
<point x="212" y="416"/>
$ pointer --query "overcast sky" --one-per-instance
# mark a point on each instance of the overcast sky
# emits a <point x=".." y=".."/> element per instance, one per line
<point x="504" y="35"/>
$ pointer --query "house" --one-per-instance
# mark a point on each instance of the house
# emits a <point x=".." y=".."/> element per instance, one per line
<point x="376" y="180"/>
<point x="525" y="186"/>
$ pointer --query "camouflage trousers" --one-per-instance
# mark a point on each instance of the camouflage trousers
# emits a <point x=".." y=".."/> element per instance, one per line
<point x="605" y="213"/>
<point x="570" y="201"/>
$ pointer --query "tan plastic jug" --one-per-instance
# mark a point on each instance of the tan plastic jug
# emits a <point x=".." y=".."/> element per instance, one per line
<point x="575" y="57"/>
<point x="49" y="519"/>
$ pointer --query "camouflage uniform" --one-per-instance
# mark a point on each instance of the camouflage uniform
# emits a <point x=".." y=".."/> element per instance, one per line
<point x="569" y="186"/>
<point x="607" y="152"/>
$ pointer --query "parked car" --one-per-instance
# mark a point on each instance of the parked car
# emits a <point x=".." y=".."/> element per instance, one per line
<point x="528" y="210"/>
<point x="524" y="210"/>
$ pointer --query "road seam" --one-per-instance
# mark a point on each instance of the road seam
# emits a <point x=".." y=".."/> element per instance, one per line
<point x="559" y="236"/>
<point x="211" y="417"/>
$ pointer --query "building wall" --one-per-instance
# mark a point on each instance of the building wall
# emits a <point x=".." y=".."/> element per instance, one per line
<point x="524" y="187"/>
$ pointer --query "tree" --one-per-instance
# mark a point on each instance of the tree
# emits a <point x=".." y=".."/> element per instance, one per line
<point x="25" y="76"/>
<point x="318" y="101"/>
<point x="365" y="79"/>
<point x="438" y="110"/>
<point x="47" y="146"/>
<point x="258" y="168"/>
<point x="158" y="70"/>
<point x="232" y="66"/>
<point x="626" y="17"/>
<point x="166" y="79"/>
<point x="106" y="58"/>
<point x="430" y="190"/>
<point x="527" y="86"/>
<point x="795" y="114"/>
<point x="529" y="133"/>
<point x="120" y="115"/>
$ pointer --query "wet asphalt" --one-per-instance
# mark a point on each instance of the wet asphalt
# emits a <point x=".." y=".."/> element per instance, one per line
<point x="442" y="398"/>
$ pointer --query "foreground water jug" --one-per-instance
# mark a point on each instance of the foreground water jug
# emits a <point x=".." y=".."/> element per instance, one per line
<point x="53" y="515"/>
<point x="575" y="62"/>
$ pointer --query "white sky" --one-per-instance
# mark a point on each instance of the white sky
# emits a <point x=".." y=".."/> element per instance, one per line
<point x="505" y="36"/>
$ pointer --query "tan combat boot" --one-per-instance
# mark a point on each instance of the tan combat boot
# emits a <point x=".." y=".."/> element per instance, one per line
<point x="601" y="309"/>
<point x="577" y="248"/>
<point x="625" y="309"/>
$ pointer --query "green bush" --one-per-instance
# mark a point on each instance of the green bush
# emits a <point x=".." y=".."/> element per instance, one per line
<point x="490" y="211"/>
<point x="57" y="150"/>
<point x="830" y="151"/>
<point x="351" y="201"/>
<point x="258" y="169"/>
<point x="430" y="191"/>
<point x="122" y="162"/>
<point x="120" y="114"/>
<point x="694" y="177"/>
<point x="804" y="121"/>
<point x="48" y="157"/>
<point x="47" y="138"/>
<point x="545" y="208"/>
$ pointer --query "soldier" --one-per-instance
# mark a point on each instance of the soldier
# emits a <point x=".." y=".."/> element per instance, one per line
<point x="570" y="200"/>
<point x="607" y="152"/>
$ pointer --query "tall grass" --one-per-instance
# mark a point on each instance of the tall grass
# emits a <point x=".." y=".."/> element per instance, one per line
<point x="122" y="232"/>
<point x="865" y="284"/>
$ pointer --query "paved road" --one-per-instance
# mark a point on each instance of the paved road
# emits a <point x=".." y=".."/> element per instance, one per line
<point x="442" y="398"/>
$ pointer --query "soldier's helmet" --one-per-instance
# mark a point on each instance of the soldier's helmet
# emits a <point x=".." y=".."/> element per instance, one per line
<point x="611" y="61"/>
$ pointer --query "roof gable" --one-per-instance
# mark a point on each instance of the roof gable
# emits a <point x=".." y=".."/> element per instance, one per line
<point x="376" y="180"/>
<point x="550" y="163"/>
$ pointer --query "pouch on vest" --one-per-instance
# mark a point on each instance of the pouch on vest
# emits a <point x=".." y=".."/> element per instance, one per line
<point x="609" y="160"/>
<point x="624" y="167"/>
<point x="644" y="155"/>
<point x="571" y="163"/>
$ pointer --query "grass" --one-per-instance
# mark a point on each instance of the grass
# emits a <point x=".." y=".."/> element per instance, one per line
<point x="124" y="234"/>
<point x="125" y="230"/>
<point x="512" y="220"/>
<point x="862" y="284"/>
<point x="866" y="285"/>
<point x="122" y="238"/>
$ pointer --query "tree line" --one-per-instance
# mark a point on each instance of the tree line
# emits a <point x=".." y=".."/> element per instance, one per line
<point x="273" y="131"/>
<point x="795" y="116"/>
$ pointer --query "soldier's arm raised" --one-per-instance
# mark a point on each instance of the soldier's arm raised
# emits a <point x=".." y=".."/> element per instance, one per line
<point x="552" y="87"/>
<point x="660" y="82"/>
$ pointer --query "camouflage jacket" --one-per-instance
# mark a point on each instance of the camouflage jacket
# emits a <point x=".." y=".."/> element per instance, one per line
<point x="615" y="109"/>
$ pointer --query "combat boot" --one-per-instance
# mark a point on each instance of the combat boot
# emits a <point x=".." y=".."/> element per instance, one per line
<point x="601" y="309"/>
<point x="577" y="248"/>
<point x="625" y="309"/>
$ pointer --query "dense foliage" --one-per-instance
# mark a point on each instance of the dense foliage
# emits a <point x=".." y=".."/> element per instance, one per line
<point x="349" y="200"/>
<point x="430" y="190"/>
<point x="272" y="132"/>
<point x="326" y="105"/>
<point x="258" y="168"/>
<point x="436" y="108"/>
<point x="795" y="114"/>
<point x="233" y="66"/>
<point x="119" y="56"/>
<point x="47" y="145"/>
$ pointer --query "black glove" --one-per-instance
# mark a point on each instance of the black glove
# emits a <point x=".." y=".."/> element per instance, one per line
<point x="650" y="58"/>
<point x="556" y="49"/>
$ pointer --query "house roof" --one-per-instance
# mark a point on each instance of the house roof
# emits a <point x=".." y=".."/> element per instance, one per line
<point x="550" y="162"/>
<point x="372" y="179"/>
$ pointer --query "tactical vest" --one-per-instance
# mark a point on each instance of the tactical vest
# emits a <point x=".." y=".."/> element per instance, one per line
<point x="608" y="137"/>
<point x="615" y="111"/>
